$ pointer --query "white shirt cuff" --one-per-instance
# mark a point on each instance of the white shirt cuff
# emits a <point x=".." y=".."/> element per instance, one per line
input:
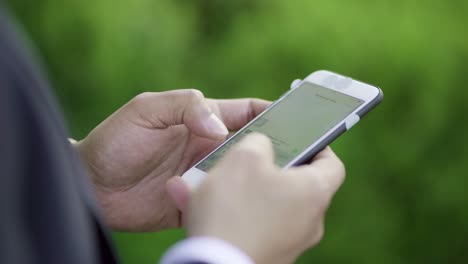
<point x="206" y="250"/>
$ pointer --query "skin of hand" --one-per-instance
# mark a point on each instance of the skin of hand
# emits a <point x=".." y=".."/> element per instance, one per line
<point x="156" y="136"/>
<point x="270" y="214"/>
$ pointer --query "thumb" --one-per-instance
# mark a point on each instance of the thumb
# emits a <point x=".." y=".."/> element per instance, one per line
<point x="253" y="151"/>
<point x="188" y="107"/>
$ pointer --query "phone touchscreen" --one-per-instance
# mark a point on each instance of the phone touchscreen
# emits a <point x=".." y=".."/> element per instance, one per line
<point x="294" y="123"/>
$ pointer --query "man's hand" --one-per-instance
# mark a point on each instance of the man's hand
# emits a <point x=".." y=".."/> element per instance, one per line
<point x="133" y="153"/>
<point x="270" y="214"/>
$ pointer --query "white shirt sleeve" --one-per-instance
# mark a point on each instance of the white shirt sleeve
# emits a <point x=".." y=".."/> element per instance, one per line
<point x="205" y="250"/>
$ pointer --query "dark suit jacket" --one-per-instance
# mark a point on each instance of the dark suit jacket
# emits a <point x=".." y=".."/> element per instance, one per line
<point x="48" y="213"/>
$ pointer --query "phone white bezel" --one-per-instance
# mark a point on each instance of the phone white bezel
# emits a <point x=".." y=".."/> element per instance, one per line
<point x="327" y="79"/>
<point x="344" y="85"/>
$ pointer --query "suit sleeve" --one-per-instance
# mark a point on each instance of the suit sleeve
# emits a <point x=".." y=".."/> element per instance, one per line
<point x="15" y="240"/>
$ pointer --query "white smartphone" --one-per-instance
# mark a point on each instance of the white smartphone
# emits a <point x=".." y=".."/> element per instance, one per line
<point x="307" y="118"/>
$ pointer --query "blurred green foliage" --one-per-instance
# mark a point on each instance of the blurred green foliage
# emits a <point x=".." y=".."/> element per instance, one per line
<point x="404" y="200"/>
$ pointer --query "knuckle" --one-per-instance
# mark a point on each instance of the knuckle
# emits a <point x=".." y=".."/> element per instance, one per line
<point x="314" y="233"/>
<point x="340" y="170"/>
<point x="318" y="234"/>
<point x="194" y="95"/>
<point x="138" y="99"/>
<point x="341" y="166"/>
<point x="139" y="102"/>
<point x="318" y="193"/>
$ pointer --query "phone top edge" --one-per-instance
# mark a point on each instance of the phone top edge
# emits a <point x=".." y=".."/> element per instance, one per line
<point x="344" y="84"/>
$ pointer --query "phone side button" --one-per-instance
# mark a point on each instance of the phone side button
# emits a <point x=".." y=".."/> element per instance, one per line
<point x="351" y="121"/>
<point x="295" y="84"/>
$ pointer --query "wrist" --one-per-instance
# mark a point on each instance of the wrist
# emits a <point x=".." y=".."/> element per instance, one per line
<point x="100" y="192"/>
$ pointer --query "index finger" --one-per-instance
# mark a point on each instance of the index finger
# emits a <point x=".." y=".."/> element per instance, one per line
<point x="236" y="113"/>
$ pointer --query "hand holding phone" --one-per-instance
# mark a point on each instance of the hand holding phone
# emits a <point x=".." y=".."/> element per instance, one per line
<point x="271" y="215"/>
<point x="303" y="121"/>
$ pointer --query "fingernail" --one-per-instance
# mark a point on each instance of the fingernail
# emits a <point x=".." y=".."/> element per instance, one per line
<point x="216" y="126"/>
